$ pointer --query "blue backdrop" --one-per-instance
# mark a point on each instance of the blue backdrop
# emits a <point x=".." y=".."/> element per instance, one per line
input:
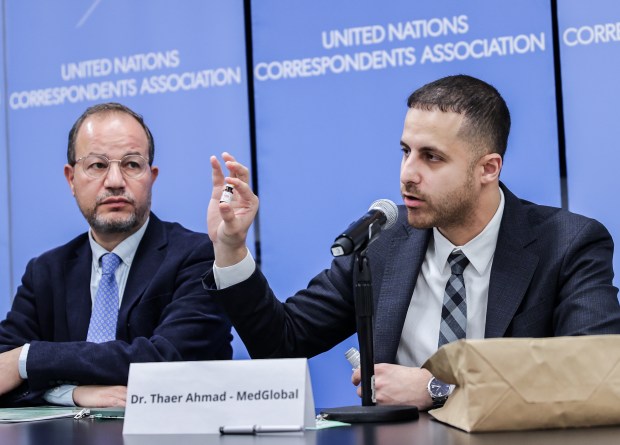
<point x="6" y="287"/>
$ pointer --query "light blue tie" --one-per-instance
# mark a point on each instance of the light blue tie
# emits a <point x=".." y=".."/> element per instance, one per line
<point x="105" y="310"/>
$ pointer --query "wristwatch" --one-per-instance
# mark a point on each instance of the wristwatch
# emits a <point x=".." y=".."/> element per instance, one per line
<point x="439" y="391"/>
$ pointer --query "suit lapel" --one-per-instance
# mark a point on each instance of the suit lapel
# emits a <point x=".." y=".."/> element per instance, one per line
<point x="77" y="283"/>
<point x="403" y="261"/>
<point x="513" y="267"/>
<point x="146" y="262"/>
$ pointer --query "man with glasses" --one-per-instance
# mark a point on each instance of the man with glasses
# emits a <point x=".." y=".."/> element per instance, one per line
<point x="126" y="291"/>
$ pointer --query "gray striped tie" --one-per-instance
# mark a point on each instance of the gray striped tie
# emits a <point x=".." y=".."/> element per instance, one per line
<point x="454" y="312"/>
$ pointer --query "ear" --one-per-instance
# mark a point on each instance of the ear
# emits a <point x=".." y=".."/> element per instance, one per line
<point x="491" y="165"/>
<point x="154" y="173"/>
<point x="69" y="174"/>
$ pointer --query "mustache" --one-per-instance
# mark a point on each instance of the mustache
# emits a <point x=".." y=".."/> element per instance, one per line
<point x="114" y="194"/>
<point x="411" y="189"/>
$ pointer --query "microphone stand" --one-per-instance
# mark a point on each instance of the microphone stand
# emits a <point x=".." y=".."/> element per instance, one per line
<point x="363" y="314"/>
<point x="369" y="411"/>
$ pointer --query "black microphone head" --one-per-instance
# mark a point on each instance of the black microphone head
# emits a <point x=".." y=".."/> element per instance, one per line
<point x="388" y="208"/>
<point x="382" y="214"/>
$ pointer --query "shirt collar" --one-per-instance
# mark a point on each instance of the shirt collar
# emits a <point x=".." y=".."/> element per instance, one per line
<point x="126" y="250"/>
<point x="480" y="250"/>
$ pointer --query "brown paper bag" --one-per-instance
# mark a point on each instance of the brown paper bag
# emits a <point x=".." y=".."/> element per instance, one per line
<point x="526" y="383"/>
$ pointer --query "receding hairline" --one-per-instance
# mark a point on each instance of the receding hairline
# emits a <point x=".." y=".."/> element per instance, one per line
<point x="107" y="114"/>
<point x="105" y="110"/>
<point x="104" y="114"/>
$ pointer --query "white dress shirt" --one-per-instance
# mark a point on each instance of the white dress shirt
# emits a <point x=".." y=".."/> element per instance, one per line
<point x="420" y="335"/>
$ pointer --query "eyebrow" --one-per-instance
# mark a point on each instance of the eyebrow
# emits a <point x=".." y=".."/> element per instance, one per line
<point x="426" y="149"/>
<point x="107" y="156"/>
<point x="435" y="150"/>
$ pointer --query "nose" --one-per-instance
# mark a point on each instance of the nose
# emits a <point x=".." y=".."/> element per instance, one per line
<point x="410" y="170"/>
<point x="114" y="178"/>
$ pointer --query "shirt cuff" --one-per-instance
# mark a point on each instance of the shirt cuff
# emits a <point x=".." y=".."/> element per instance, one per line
<point x="229" y="276"/>
<point x="61" y="395"/>
<point x="21" y="364"/>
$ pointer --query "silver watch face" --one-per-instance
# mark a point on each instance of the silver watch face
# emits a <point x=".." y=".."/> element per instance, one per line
<point x="439" y="389"/>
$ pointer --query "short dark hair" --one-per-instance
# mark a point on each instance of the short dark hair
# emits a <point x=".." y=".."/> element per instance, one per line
<point x="103" y="109"/>
<point x="486" y="113"/>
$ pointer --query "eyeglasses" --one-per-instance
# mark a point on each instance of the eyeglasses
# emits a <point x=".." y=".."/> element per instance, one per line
<point x="97" y="166"/>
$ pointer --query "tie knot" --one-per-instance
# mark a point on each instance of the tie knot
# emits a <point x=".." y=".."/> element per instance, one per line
<point x="109" y="263"/>
<point x="458" y="262"/>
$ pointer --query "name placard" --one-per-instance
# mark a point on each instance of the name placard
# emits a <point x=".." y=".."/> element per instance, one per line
<point x="201" y="397"/>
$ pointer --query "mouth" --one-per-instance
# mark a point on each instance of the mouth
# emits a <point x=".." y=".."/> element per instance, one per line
<point x="114" y="202"/>
<point x="412" y="201"/>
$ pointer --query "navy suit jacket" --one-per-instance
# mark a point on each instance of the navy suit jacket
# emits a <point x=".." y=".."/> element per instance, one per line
<point x="551" y="276"/>
<point x="165" y="314"/>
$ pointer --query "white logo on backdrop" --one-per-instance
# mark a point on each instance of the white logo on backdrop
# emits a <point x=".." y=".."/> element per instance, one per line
<point x="400" y="44"/>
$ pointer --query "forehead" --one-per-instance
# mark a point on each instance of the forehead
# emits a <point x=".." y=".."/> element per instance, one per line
<point x="431" y="127"/>
<point x="111" y="133"/>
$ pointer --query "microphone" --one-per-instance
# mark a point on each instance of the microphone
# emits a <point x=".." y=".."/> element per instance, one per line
<point x="356" y="238"/>
<point x="382" y="214"/>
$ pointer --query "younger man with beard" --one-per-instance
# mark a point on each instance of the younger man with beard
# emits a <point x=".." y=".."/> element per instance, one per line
<point x="127" y="291"/>
<point x="466" y="257"/>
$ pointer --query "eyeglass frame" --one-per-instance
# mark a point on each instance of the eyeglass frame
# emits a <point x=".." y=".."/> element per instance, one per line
<point x="147" y="166"/>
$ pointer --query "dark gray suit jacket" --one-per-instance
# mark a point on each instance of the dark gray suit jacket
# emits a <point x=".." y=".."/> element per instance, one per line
<point x="551" y="276"/>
